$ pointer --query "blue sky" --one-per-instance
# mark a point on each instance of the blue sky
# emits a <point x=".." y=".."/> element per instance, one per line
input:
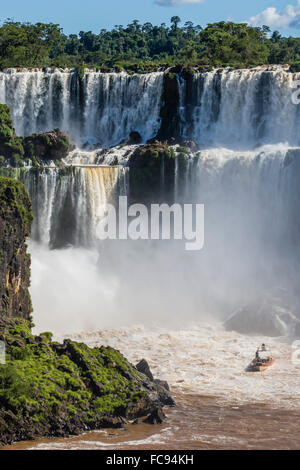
<point x="76" y="15"/>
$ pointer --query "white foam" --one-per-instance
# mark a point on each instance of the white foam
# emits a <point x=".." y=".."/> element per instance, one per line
<point x="207" y="360"/>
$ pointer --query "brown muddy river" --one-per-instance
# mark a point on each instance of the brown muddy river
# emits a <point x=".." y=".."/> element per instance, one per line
<point x="196" y="423"/>
<point x="220" y="404"/>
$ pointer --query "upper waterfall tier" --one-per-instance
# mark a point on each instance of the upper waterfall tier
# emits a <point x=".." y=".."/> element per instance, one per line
<point x="101" y="109"/>
<point x="240" y="109"/>
<point x="235" y="109"/>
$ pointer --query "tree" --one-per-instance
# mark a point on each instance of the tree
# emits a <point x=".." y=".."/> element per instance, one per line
<point x="175" y="20"/>
<point x="135" y="46"/>
<point x="276" y="37"/>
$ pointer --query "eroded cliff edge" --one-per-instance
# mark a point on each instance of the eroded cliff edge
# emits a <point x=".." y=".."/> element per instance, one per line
<point x="15" y="222"/>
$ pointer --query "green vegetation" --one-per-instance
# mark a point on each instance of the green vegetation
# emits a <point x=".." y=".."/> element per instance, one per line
<point x="14" y="198"/>
<point x="48" y="384"/>
<point x="148" y="164"/>
<point x="53" y="145"/>
<point x="11" y="146"/>
<point x="144" y="47"/>
<point x="14" y="150"/>
<point x="15" y="224"/>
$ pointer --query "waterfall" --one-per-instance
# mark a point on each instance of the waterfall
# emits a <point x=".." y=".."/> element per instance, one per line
<point x="246" y="173"/>
<point x="240" y="109"/>
<point x="68" y="203"/>
<point x="102" y="109"/>
<point x="234" y="109"/>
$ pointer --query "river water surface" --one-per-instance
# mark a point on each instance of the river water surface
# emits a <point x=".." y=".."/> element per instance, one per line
<point x="220" y="404"/>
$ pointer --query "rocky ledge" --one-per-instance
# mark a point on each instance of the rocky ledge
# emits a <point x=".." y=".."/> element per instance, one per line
<point x="36" y="149"/>
<point x="53" y="145"/>
<point x="49" y="389"/>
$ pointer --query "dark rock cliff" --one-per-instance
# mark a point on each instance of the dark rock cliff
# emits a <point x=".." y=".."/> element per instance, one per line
<point x="152" y="169"/>
<point x="170" y="109"/>
<point x="52" y="145"/>
<point x="15" y="223"/>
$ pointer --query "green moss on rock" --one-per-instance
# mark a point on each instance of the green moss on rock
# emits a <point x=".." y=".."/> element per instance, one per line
<point x="152" y="168"/>
<point x="15" y="224"/>
<point x="53" y="145"/>
<point x="16" y="151"/>
<point x="49" y="388"/>
<point x="11" y="146"/>
<point x="15" y="201"/>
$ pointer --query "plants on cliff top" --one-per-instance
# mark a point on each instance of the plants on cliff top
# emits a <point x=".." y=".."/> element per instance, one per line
<point x="81" y="71"/>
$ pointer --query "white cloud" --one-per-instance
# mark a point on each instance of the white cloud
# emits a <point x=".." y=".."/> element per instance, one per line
<point x="173" y="3"/>
<point x="288" y="18"/>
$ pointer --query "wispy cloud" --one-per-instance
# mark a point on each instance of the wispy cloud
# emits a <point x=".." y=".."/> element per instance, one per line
<point x="288" y="18"/>
<point x="174" y="3"/>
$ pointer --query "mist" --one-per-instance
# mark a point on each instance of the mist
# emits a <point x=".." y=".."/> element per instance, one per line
<point x="250" y="254"/>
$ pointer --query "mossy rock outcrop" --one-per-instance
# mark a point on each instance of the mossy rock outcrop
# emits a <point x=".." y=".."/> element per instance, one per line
<point x="51" y="389"/>
<point x="152" y="168"/>
<point x="14" y="150"/>
<point x="11" y="146"/>
<point x="53" y="145"/>
<point x="15" y="224"/>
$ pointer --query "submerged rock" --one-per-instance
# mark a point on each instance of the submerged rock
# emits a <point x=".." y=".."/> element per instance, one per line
<point x="156" y="417"/>
<point x="267" y="318"/>
<point x="164" y="394"/>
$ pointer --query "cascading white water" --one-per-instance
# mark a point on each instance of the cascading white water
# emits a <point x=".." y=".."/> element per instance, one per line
<point x="117" y="104"/>
<point x="247" y="176"/>
<point x="104" y="110"/>
<point x="240" y="109"/>
<point x="68" y="207"/>
<point x="251" y="251"/>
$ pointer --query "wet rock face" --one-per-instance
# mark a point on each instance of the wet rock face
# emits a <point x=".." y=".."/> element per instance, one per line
<point x="152" y="169"/>
<point x="163" y="390"/>
<point x="268" y="317"/>
<point x="15" y="224"/>
<point x="54" y="145"/>
<point x="144" y="368"/>
<point x="134" y="138"/>
<point x="156" y="417"/>
<point x="170" y="110"/>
